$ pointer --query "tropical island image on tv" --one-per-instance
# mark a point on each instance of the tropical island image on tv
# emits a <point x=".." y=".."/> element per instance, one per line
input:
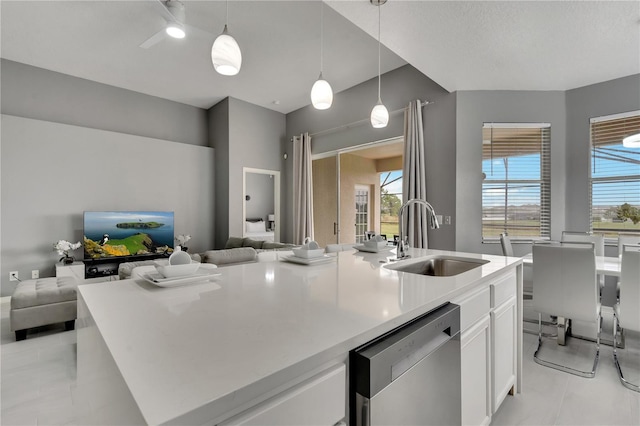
<point x="118" y="234"/>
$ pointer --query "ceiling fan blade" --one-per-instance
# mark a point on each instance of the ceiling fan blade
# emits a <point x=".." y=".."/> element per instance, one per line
<point x="166" y="14"/>
<point x="197" y="32"/>
<point x="154" y="39"/>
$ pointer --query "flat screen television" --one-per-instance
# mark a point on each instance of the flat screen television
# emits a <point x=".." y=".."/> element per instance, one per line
<point x="110" y="235"/>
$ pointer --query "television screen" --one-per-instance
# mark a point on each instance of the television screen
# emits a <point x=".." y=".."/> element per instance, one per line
<point x="121" y="234"/>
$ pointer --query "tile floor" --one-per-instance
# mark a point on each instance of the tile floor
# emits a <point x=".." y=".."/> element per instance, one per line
<point x="38" y="384"/>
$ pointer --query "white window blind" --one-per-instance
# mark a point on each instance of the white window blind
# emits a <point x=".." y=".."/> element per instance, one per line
<point x="615" y="175"/>
<point x="516" y="187"/>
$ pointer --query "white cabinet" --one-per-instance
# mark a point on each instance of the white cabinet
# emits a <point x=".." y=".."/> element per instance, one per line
<point x="75" y="269"/>
<point x="503" y="337"/>
<point x="475" y="359"/>
<point x="318" y="401"/>
<point x="475" y="356"/>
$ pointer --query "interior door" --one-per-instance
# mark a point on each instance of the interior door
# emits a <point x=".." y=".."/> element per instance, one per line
<point x="325" y="200"/>
<point x="362" y="206"/>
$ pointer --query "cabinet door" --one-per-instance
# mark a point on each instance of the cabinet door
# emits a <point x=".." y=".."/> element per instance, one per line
<point x="475" y="357"/>
<point x="318" y="401"/>
<point x="503" y="337"/>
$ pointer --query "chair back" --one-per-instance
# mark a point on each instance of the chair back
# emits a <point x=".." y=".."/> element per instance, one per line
<point x="629" y="305"/>
<point x="626" y="239"/>
<point x="564" y="280"/>
<point x="585" y="237"/>
<point x="505" y="242"/>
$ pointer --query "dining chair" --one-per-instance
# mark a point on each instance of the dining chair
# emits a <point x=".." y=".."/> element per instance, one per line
<point x="625" y="312"/>
<point x="587" y="237"/>
<point x="625" y="238"/>
<point x="564" y="281"/>
<point x="505" y="242"/>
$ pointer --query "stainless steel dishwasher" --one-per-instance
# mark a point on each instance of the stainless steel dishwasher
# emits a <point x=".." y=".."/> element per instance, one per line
<point x="411" y="375"/>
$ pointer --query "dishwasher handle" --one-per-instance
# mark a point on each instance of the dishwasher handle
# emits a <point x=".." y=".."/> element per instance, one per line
<point x="380" y="362"/>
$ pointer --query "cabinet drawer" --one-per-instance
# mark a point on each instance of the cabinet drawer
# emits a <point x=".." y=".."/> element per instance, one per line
<point x="473" y="306"/>
<point x="319" y="400"/>
<point x="502" y="288"/>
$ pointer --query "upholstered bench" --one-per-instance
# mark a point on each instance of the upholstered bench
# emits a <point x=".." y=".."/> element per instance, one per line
<point x="43" y="301"/>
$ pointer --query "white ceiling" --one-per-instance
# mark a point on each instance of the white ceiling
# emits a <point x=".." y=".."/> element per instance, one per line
<point x="473" y="45"/>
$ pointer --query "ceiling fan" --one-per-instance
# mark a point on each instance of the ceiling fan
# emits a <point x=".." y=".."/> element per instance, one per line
<point x="174" y="14"/>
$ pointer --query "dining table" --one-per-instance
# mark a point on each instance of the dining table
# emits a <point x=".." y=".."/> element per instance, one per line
<point x="605" y="265"/>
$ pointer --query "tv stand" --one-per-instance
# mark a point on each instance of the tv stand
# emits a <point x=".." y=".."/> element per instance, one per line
<point x="106" y="267"/>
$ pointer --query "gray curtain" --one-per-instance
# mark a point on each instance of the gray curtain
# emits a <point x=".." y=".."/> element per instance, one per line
<point x="414" y="184"/>
<point x="302" y="189"/>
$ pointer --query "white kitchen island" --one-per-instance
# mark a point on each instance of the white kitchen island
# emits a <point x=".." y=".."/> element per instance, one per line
<point x="209" y="353"/>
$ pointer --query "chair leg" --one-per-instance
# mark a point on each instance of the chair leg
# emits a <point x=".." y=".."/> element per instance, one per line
<point x="624" y="382"/>
<point x="587" y="374"/>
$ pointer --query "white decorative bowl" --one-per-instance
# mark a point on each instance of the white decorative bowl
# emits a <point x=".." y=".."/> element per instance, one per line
<point x="179" y="257"/>
<point x="174" y="271"/>
<point x="375" y="244"/>
<point x="308" y="253"/>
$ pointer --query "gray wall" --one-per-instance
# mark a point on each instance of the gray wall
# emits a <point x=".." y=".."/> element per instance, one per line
<point x="610" y="97"/>
<point x="88" y="146"/>
<point x="477" y="107"/>
<point x="47" y="95"/>
<point x="399" y="87"/>
<point x="218" y="117"/>
<point x="254" y="139"/>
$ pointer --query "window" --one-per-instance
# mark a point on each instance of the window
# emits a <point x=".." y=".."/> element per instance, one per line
<point x="615" y="175"/>
<point x="516" y="186"/>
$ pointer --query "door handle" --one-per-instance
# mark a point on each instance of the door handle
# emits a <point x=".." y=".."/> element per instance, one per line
<point x="335" y="228"/>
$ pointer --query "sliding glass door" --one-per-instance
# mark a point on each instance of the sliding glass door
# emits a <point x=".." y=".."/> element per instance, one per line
<point x="357" y="190"/>
<point x="325" y="199"/>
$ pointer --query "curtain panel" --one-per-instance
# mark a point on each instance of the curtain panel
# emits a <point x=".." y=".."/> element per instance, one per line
<point x="302" y="189"/>
<point x="414" y="184"/>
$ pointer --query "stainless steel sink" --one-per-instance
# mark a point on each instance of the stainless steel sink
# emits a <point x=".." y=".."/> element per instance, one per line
<point x="438" y="266"/>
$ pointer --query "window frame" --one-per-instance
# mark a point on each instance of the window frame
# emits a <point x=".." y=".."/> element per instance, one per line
<point x="544" y="182"/>
<point x="613" y="178"/>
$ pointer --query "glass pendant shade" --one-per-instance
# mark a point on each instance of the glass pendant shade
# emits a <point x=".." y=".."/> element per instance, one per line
<point x="175" y="30"/>
<point x="225" y="54"/>
<point x="632" y="141"/>
<point x="321" y="94"/>
<point x="379" y="116"/>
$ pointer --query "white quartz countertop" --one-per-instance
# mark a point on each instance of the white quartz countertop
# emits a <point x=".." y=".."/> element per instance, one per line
<point x="193" y="352"/>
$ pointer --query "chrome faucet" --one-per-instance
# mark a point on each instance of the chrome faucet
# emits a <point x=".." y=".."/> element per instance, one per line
<point x="433" y="222"/>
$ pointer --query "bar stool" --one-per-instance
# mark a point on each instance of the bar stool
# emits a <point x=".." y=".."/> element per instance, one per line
<point x="625" y="312"/>
<point x="564" y="281"/>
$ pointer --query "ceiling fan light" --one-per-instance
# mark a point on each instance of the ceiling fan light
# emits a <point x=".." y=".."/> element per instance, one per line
<point x="175" y="30"/>
<point x="632" y="141"/>
<point x="379" y="116"/>
<point x="321" y="94"/>
<point x="226" y="55"/>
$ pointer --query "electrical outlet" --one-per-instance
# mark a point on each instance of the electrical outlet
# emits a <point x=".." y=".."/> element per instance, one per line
<point x="13" y="276"/>
<point x="447" y="220"/>
<point x="35" y="274"/>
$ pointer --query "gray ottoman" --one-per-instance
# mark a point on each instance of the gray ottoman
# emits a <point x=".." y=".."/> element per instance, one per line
<point x="43" y="301"/>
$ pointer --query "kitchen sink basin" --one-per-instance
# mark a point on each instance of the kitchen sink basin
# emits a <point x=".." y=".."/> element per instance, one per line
<point x="438" y="266"/>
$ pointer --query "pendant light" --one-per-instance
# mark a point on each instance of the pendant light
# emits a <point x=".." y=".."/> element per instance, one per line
<point x="225" y="52"/>
<point x="321" y="93"/>
<point x="379" y="113"/>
